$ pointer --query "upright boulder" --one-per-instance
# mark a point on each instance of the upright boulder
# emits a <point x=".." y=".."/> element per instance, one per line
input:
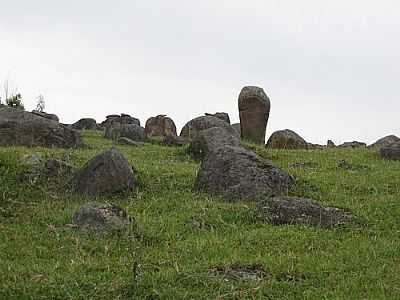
<point x="106" y="173"/>
<point x="221" y="115"/>
<point x="286" y="139"/>
<point x="193" y="127"/>
<point x="236" y="173"/>
<point x="85" y="123"/>
<point x="21" y="128"/>
<point x="160" y="126"/>
<point x="254" y="108"/>
<point x="391" y="151"/>
<point x="385" y="141"/>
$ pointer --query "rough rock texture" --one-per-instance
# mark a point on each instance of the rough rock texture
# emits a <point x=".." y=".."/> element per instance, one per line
<point x="117" y="120"/>
<point x="172" y="140"/>
<point x="26" y="129"/>
<point x="193" y="127"/>
<point x="286" y="139"/>
<point x="236" y="127"/>
<point x="108" y="172"/>
<point x="330" y="144"/>
<point x="254" y="107"/>
<point x="100" y="217"/>
<point x="160" y="125"/>
<point x="85" y="123"/>
<point x="126" y="141"/>
<point x="301" y="211"/>
<point x="391" y="151"/>
<point x="210" y="140"/>
<point x="221" y="115"/>
<point x="131" y="131"/>
<point x="353" y="144"/>
<point x="385" y="141"/>
<point x="52" y="117"/>
<point x="236" y="173"/>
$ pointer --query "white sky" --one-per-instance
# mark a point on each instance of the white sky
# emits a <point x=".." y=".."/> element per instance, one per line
<point x="331" y="68"/>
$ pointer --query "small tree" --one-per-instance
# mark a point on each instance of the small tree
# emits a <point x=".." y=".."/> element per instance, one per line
<point x="41" y="105"/>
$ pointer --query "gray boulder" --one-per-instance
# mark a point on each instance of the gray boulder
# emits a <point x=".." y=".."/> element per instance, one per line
<point x="100" y="217"/>
<point x="193" y="127"/>
<point x="85" y="123"/>
<point x="131" y="131"/>
<point x="221" y="115"/>
<point x="106" y="173"/>
<point x="52" y="117"/>
<point x="286" y="139"/>
<point x="236" y="173"/>
<point x="254" y="108"/>
<point x="160" y="126"/>
<point x="385" y="141"/>
<point x="236" y="127"/>
<point x="129" y="142"/>
<point x="301" y="211"/>
<point x="391" y="151"/>
<point x="353" y="144"/>
<point x="21" y="128"/>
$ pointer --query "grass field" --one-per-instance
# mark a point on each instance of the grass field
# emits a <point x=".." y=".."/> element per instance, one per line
<point x="180" y="237"/>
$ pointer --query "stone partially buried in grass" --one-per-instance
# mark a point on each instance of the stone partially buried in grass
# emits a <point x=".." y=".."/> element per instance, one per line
<point x="301" y="211"/>
<point x="106" y="173"/>
<point x="100" y="217"/>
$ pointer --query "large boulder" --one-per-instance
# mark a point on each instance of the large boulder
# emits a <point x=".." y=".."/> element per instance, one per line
<point x="385" y="141"/>
<point x="236" y="127"/>
<point x="391" y="151"/>
<point x="42" y="114"/>
<point x="160" y="126"/>
<point x="106" y="173"/>
<point x="301" y="211"/>
<point x="286" y="139"/>
<point x="254" y="107"/>
<point x="221" y="115"/>
<point x="353" y="144"/>
<point x="131" y="131"/>
<point x="210" y="140"/>
<point x="85" y="123"/>
<point x="236" y="173"/>
<point x="23" y="128"/>
<point x="100" y="217"/>
<point x="193" y="127"/>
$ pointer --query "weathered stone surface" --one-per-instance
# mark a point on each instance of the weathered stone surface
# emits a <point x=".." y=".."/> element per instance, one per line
<point x="172" y="140"/>
<point x="193" y="127"/>
<point x="52" y="117"/>
<point x="391" y="151"/>
<point x="236" y="173"/>
<point x="353" y="144"/>
<point x="161" y="126"/>
<point x="286" y="139"/>
<point x="100" y="217"/>
<point x="210" y="140"/>
<point x="330" y="144"/>
<point x="106" y="173"/>
<point x="85" y="123"/>
<point x="385" y="141"/>
<point x="301" y="211"/>
<point x="131" y="131"/>
<point x="236" y="127"/>
<point x="22" y="128"/>
<point x="127" y="119"/>
<point x="254" y="108"/>
<point x="113" y="121"/>
<point x="221" y="115"/>
<point x="126" y="141"/>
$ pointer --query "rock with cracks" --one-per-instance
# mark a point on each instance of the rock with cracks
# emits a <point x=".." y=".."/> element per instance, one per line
<point x="301" y="211"/>
<point x="236" y="173"/>
<point x="106" y="173"/>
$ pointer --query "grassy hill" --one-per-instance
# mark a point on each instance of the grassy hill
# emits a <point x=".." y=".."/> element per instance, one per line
<point x="187" y="246"/>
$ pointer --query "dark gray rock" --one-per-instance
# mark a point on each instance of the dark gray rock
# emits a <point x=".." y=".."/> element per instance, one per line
<point x="210" y="140"/>
<point x="126" y="141"/>
<point x="312" y="146"/>
<point x="160" y="126"/>
<point x="221" y="115"/>
<point x="385" y="141"/>
<point x="193" y="127"/>
<point x="353" y="144"/>
<point x="100" y="217"/>
<point x="286" y="139"/>
<point x="236" y="173"/>
<point x="21" y="128"/>
<point x="254" y="108"/>
<point x="236" y="127"/>
<point x="106" y="173"/>
<point x="172" y="140"/>
<point x="391" y="151"/>
<point x="85" y="123"/>
<point x="131" y="131"/>
<point x="52" y="117"/>
<point x="301" y="211"/>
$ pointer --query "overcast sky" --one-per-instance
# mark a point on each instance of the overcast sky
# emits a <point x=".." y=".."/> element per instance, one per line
<point x="331" y="68"/>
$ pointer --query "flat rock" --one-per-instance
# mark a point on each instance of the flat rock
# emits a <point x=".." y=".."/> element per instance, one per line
<point x="21" y="128"/>
<point x="301" y="211"/>
<point x="286" y="139"/>
<point x="100" y="217"/>
<point x="106" y="173"/>
<point x="236" y="173"/>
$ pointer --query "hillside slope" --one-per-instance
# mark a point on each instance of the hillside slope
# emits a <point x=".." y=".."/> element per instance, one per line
<point x="185" y="245"/>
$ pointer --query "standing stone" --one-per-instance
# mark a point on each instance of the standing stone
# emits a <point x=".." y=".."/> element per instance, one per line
<point x="106" y="173"/>
<point x="160" y="126"/>
<point x="254" y="108"/>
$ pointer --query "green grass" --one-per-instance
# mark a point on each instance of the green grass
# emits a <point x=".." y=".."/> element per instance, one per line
<point x="42" y="258"/>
